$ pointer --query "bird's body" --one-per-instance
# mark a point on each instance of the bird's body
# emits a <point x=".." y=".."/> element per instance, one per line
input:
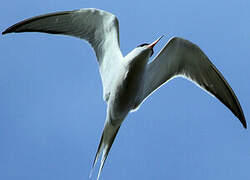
<point x="125" y="94"/>
<point x="128" y="81"/>
<point x="128" y="86"/>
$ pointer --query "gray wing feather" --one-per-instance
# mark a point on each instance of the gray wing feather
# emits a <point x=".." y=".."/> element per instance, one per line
<point x="98" y="27"/>
<point x="181" y="57"/>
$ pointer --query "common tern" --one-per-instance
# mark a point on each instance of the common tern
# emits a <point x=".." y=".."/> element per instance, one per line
<point x="128" y="81"/>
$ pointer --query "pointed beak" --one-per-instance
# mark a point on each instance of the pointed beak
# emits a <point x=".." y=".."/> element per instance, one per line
<point x="154" y="43"/>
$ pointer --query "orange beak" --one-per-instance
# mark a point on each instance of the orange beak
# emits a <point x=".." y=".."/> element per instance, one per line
<point x="154" y="43"/>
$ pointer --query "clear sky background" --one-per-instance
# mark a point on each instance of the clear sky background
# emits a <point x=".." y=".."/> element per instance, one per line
<point x="52" y="112"/>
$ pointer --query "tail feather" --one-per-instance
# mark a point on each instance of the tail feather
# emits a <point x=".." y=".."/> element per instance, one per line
<point x="97" y="156"/>
<point x="107" y="139"/>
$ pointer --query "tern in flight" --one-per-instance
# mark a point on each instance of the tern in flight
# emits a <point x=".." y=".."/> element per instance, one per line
<point x="128" y="81"/>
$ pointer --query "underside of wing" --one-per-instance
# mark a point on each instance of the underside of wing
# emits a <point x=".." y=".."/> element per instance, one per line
<point x="180" y="57"/>
<point x="98" y="27"/>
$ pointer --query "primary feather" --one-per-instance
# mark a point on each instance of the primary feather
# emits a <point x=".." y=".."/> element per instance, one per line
<point x="128" y="81"/>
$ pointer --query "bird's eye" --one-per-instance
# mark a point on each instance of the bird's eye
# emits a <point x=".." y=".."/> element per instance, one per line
<point x="144" y="44"/>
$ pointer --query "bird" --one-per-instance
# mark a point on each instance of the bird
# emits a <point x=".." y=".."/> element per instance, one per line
<point x="129" y="80"/>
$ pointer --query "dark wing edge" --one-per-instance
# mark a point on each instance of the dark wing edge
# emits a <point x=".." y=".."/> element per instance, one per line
<point x="17" y="28"/>
<point x="181" y="57"/>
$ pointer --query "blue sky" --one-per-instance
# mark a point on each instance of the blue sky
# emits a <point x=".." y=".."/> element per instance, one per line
<point x="52" y="112"/>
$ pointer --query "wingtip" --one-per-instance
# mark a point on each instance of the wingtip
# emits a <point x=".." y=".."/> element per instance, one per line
<point x="4" y="32"/>
<point x="244" y="124"/>
<point x="243" y="121"/>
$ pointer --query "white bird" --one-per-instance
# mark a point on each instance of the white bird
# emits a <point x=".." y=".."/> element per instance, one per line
<point x="128" y="81"/>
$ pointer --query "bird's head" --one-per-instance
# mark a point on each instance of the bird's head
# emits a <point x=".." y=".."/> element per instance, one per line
<point x="145" y="47"/>
<point x="143" y="51"/>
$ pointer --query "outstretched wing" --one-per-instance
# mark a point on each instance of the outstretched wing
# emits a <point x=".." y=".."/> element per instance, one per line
<point x="180" y="57"/>
<point x="98" y="27"/>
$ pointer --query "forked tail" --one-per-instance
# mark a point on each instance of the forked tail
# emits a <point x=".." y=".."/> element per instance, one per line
<point x="107" y="139"/>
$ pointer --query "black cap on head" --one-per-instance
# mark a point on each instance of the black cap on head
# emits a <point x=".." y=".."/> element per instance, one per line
<point x="146" y="44"/>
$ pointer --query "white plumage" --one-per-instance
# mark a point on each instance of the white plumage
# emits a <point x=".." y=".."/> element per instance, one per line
<point x="128" y="81"/>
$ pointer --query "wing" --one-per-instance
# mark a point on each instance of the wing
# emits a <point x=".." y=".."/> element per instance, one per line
<point x="180" y="57"/>
<point x="98" y="27"/>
